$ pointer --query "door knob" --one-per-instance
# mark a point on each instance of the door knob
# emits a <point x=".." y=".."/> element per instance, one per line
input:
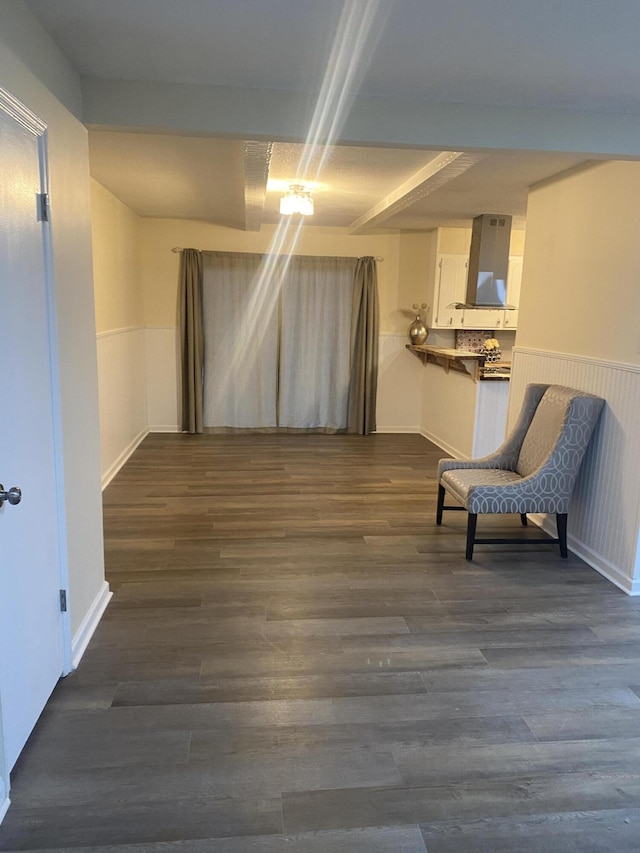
<point x="14" y="495"/>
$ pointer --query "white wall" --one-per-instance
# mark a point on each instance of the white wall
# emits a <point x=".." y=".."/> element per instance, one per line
<point x="69" y="180"/>
<point x="27" y="57"/>
<point x="270" y="114"/>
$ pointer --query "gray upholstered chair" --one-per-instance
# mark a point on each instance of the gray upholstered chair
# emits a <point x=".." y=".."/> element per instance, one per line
<point x="533" y="471"/>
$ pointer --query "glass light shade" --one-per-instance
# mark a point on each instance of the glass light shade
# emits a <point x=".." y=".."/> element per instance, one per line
<point x="305" y="206"/>
<point x="297" y="200"/>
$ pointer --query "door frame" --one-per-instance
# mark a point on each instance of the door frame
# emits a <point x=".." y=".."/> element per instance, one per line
<point x="29" y="121"/>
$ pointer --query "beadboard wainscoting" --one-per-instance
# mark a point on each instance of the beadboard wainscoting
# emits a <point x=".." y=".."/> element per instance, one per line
<point x="163" y="369"/>
<point x="604" y="518"/>
<point x="399" y="386"/>
<point x="123" y="397"/>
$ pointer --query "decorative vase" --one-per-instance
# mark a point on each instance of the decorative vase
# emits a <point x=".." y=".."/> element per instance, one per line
<point x="418" y="332"/>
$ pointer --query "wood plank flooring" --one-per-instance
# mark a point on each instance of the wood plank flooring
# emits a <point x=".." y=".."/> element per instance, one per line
<point x="296" y="658"/>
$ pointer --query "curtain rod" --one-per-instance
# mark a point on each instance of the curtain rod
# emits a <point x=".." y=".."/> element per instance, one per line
<point x="180" y="249"/>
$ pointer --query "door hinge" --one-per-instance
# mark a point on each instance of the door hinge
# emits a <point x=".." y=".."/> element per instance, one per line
<point x="43" y="207"/>
<point x="63" y="600"/>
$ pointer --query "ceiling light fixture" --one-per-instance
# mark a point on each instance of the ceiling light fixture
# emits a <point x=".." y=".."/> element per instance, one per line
<point x="297" y="200"/>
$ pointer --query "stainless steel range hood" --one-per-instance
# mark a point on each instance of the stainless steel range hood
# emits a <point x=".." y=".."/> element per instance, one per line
<point x="489" y="261"/>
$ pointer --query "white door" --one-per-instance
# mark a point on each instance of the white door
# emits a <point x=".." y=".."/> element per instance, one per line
<point x="31" y="649"/>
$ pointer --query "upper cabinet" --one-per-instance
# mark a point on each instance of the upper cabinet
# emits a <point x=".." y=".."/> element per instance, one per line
<point x="482" y="318"/>
<point x="451" y="286"/>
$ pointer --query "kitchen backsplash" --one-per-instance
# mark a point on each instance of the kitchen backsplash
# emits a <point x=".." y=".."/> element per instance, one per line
<point x="473" y="340"/>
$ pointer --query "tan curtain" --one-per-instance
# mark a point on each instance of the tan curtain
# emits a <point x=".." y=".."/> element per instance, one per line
<point x="192" y="339"/>
<point x="364" y="349"/>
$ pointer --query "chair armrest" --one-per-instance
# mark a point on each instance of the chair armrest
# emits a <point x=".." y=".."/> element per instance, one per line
<point x="496" y="460"/>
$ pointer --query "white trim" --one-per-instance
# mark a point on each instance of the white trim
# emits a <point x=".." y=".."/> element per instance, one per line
<point x="164" y="428"/>
<point x="121" y="331"/>
<point x="162" y="328"/>
<point x="596" y="561"/>
<point x="89" y="623"/>
<point x="56" y="406"/>
<point x="4" y="808"/>
<point x="452" y="451"/>
<point x="582" y="359"/>
<point x="112" y="470"/>
<point x="398" y="429"/>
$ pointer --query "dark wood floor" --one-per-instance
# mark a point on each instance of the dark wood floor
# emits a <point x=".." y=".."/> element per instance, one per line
<point x="296" y="658"/>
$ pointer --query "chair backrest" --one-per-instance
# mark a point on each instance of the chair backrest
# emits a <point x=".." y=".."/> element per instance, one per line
<point x="506" y="456"/>
<point x="558" y="434"/>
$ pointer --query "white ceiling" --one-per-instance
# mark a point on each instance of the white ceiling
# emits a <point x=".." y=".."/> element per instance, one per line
<point x="577" y="54"/>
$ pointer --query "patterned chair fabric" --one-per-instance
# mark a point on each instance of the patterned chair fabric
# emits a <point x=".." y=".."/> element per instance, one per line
<point x="536" y="468"/>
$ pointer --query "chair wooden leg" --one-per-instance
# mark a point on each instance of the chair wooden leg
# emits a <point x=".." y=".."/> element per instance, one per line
<point x="440" y="504"/>
<point x="561" y="522"/>
<point x="523" y="519"/>
<point x="471" y="534"/>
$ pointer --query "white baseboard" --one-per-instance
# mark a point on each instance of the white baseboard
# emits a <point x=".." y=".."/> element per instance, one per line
<point x="596" y="561"/>
<point x="4" y="807"/>
<point x="413" y="430"/>
<point x="112" y="470"/>
<point x="164" y="428"/>
<point x="89" y="624"/>
<point x="434" y="439"/>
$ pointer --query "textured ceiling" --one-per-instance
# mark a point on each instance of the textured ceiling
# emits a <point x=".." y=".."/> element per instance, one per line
<point x="202" y="178"/>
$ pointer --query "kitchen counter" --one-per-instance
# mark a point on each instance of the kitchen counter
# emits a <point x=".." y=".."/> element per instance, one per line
<point x="462" y="361"/>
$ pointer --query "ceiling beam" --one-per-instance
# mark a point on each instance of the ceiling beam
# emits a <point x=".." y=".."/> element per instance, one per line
<point x="443" y="168"/>
<point x="257" y="159"/>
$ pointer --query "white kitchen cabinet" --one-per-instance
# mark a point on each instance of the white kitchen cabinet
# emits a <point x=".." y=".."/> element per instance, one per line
<point x="482" y="318"/>
<point x="451" y="286"/>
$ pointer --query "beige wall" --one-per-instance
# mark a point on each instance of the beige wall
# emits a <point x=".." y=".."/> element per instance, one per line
<point x="121" y="337"/>
<point x="116" y="266"/>
<point x="416" y="256"/>
<point x="160" y="266"/>
<point x="580" y="290"/>
<point x="456" y="241"/>
<point x="402" y="280"/>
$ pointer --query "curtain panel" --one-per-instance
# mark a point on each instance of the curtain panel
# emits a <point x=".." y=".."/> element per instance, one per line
<point x="315" y="344"/>
<point x="241" y="323"/>
<point x="191" y="339"/>
<point x="291" y="343"/>
<point x="364" y="349"/>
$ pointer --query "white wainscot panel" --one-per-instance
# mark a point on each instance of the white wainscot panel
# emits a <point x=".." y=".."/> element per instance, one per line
<point x="492" y="402"/>
<point x="603" y="517"/>
<point x="122" y="393"/>
<point x="399" y="386"/>
<point x="163" y="360"/>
